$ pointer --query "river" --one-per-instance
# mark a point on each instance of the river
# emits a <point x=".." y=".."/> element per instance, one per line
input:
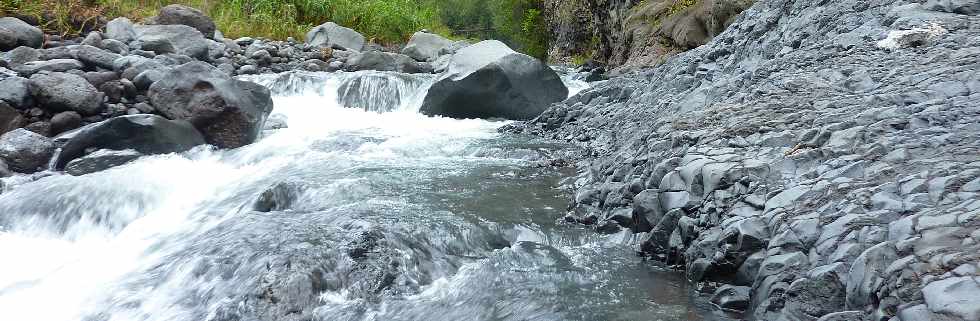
<point x="374" y="212"/>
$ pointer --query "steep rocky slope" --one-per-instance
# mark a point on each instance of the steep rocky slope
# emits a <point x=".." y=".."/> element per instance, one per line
<point x="814" y="158"/>
<point x="631" y="34"/>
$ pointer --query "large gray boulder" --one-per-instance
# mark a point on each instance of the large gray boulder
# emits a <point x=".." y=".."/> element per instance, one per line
<point x="335" y="36"/>
<point x="61" y="91"/>
<point x="176" y="14"/>
<point x="25" y="151"/>
<point x="146" y="134"/>
<point x="180" y="39"/>
<point x="120" y="29"/>
<point x="229" y="112"/>
<point x="426" y="46"/>
<point x="15" y="33"/>
<point x="489" y="80"/>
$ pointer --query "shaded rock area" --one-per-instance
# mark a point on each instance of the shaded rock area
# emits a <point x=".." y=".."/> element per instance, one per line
<point x="627" y="35"/>
<point x="822" y="155"/>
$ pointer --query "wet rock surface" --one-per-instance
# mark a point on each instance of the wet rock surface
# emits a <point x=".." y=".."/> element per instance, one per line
<point x="146" y="134"/>
<point x="822" y="154"/>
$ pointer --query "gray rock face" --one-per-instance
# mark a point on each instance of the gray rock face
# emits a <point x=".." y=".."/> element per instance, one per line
<point x="229" y="113"/>
<point x="95" y="57"/>
<point x="25" y="151"/>
<point x="864" y="278"/>
<point x="179" y="39"/>
<point x="15" y="33"/>
<point x="646" y="210"/>
<point x="120" y="29"/>
<point x="959" y="296"/>
<point x="382" y="61"/>
<point x="176" y="14"/>
<point x="426" y="46"/>
<point x="66" y="92"/>
<point x="335" y="36"/>
<point x="966" y="7"/>
<point x="56" y="65"/>
<point x="15" y="92"/>
<point x="146" y="134"/>
<point x="489" y="80"/>
<point x="115" y="46"/>
<point x="100" y="160"/>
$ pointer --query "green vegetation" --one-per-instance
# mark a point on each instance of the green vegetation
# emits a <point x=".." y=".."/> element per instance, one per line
<point x="518" y="22"/>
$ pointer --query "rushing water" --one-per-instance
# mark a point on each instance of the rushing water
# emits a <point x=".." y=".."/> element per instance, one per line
<point x="380" y="214"/>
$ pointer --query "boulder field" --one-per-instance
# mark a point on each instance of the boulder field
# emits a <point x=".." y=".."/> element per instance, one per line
<point x="87" y="92"/>
<point x="817" y="160"/>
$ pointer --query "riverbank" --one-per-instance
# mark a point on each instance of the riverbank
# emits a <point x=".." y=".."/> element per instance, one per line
<point x="817" y="160"/>
<point x="170" y="84"/>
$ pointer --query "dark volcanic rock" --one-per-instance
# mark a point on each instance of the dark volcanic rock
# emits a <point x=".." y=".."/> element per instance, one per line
<point x="100" y="160"/>
<point x="146" y="134"/>
<point x="15" y="32"/>
<point x="20" y="55"/>
<point x="65" y="121"/>
<point x="176" y="14"/>
<point x="15" y="91"/>
<point x="229" y="112"/>
<point x="56" y="65"/>
<point x="279" y="197"/>
<point x="95" y="57"/>
<point x="10" y="118"/>
<point x="25" y="151"/>
<point x="382" y="61"/>
<point x="489" y="80"/>
<point x="66" y="92"/>
<point x="180" y="39"/>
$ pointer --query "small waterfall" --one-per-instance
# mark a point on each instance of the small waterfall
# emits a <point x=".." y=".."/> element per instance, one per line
<point x="373" y="91"/>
